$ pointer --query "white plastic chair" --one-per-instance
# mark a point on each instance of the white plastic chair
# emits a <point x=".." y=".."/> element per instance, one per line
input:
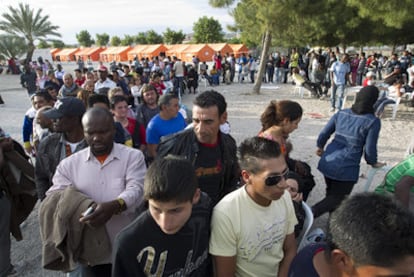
<point x="350" y="92"/>
<point x="306" y="225"/>
<point x="372" y="172"/>
<point x="395" y="107"/>
<point x="203" y="79"/>
<point x="300" y="91"/>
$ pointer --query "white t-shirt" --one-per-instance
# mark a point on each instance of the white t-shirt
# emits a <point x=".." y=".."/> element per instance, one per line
<point x="253" y="233"/>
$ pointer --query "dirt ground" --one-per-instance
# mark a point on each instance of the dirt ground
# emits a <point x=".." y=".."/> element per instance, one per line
<point x="244" y="111"/>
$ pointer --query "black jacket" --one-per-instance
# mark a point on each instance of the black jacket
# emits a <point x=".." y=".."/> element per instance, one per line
<point x="185" y="144"/>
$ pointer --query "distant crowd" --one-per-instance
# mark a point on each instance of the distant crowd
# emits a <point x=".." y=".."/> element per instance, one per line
<point x="132" y="183"/>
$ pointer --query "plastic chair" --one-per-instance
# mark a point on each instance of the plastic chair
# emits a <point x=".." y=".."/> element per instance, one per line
<point x="395" y="107"/>
<point x="306" y="225"/>
<point x="300" y="90"/>
<point x="350" y="92"/>
<point x="372" y="172"/>
<point x="203" y="79"/>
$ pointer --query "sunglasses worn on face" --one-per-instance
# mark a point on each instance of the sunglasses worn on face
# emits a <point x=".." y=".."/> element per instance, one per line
<point x="275" y="179"/>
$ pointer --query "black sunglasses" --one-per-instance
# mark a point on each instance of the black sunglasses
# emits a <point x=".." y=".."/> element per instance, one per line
<point x="275" y="179"/>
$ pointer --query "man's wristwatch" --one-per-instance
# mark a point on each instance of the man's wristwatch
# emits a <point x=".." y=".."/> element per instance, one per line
<point x="122" y="205"/>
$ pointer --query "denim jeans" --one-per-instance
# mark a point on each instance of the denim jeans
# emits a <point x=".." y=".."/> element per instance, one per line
<point x="252" y="72"/>
<point x="277" y="74"/>
<point x="337" y="96"/>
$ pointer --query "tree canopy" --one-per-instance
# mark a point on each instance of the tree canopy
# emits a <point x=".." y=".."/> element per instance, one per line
<point x="115" y="41"/>
<point x="29" y="24"/>
<point x="319" y="22"/>
<point x="207" y="30"/>
<point x="173" y="37"/>
<point x="12" y="46"/>
<point x="102" y="39"/>
<point x="127" y="40"/>
<point x="84" y="38"/>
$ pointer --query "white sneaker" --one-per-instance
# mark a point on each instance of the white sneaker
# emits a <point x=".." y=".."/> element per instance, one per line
<point x="332" y="110"/>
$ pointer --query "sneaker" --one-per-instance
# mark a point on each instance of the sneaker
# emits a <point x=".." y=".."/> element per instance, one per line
<point x="322" y="97"/>
<point x="332" y="110"/>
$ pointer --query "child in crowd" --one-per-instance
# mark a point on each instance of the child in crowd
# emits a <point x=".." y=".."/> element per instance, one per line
<point x="171" y="237"/>
<point x="295" y="186"/>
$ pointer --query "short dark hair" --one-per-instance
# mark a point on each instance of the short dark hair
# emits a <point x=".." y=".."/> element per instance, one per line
<point x="100" y="113"/>
<point x="117" y="99"/>
<point x="165" y="99"/>
<point x="162" y="183"/>
<point x="277" y="111"/>
<point x="44" y="94"/>
<point x="251" y="150"/>
<point x="211" y="98"/>
<point x="372" y="229"/>
<point x="98" y="98"/>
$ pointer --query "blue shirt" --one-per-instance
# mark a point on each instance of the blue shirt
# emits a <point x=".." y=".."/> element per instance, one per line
<point x="158" y="127"/>
<point x="340" y="70"/>
<point x="354" y="135"/>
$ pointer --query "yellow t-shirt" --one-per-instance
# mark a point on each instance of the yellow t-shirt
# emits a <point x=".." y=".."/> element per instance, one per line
<point x="253" y="233"/>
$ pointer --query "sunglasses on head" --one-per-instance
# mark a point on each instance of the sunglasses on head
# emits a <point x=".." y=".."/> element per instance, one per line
<point x="275" y="179"/>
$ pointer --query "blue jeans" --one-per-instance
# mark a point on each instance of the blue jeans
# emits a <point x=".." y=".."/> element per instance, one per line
<point x="278" y="73"/>
<point x="337" y="96"/>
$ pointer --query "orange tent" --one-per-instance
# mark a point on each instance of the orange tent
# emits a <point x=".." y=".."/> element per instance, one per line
<point x="202" y="51"/>
<point x="67" y="54"/>
<point x="92" y="52"/>
<point x="136" y="52"/>
<point x="153" y="50"/>
<point x="239" y="49"/>
<point x="53" y="52"/>
<point x="115" y="54"/>
<point x="222" y="47"/>
<point x="176" y="50"/>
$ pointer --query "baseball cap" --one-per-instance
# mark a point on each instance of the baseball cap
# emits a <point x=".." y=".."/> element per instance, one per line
<point x="68" y="106"/>
<point x="103" y="68"/>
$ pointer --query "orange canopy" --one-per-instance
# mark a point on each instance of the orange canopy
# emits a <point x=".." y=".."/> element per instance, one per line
<point x="53" y="52"/>
<point x="67" y="54"/>
<point x="222" y="47"/>
<point x="239" y="49"/>
<point x="153" y="50"/>
<point x="203" y="51"/>
<point x="92" y="52"/>
<point x="136" y="51"/>
<point x="176" y="50"/>
<point x="115" y="54"/>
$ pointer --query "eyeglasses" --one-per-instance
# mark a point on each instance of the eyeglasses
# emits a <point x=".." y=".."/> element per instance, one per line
<point x="275" y="179"/>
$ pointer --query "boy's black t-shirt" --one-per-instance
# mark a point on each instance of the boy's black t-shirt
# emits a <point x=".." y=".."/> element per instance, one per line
<point x="142" y="249"/>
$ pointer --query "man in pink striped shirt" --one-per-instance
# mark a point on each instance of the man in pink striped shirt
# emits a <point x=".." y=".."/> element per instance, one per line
<point x="109" y="173"/>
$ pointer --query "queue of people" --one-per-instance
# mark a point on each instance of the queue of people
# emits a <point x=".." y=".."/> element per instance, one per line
<point x="139" y="194"/>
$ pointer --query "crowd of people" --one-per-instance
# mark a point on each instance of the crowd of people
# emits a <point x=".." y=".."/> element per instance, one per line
<point x="128" y="187"/>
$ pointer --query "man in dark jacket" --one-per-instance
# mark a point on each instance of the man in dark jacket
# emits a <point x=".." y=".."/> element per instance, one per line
<point x="69" y="138"/>
<point x="212" y="152"/>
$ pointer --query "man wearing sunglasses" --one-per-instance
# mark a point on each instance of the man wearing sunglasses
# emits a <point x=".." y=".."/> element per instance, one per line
<point x="253" y="227"/>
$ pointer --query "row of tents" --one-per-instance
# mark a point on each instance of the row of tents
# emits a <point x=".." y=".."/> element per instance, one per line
<point x="184" y="52"/>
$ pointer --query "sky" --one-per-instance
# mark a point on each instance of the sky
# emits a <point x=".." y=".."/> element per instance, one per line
<point x="119" y="17"/>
